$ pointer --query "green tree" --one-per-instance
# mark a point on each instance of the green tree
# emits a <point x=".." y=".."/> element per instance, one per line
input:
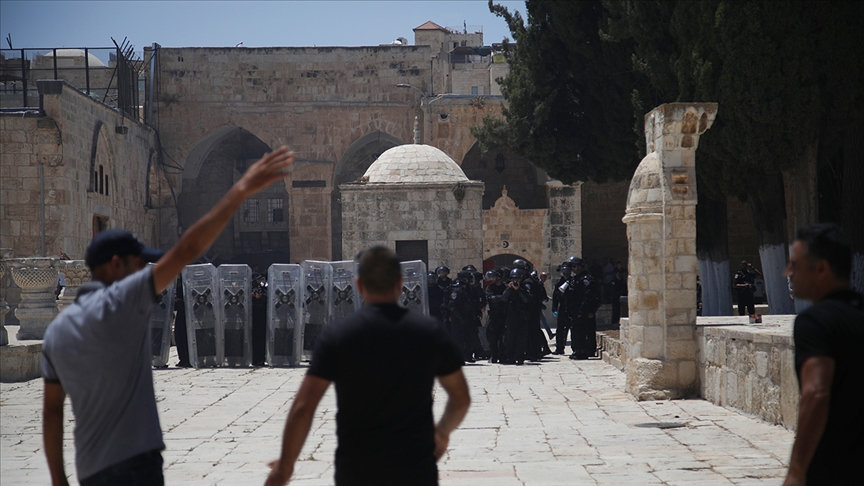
<point x="570" y="96"/>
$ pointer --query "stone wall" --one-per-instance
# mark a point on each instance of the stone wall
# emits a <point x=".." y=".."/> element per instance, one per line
<point x="319" y="101"/>
<point x="75" y="136"/>
<point x="471" y="75"/>
<point x="448" y="216"/>
<point x="750" y="367"/>
<point x="511" y="231"/>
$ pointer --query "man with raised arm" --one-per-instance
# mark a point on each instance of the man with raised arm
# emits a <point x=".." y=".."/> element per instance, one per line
<point x="384" y="360"/>
<point x="829" y="441"/>
<point x="98" y="350"/>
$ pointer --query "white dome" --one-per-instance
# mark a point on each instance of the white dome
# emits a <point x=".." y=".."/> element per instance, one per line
<point x="414" y="164"/>
<point x="92" y="60"/>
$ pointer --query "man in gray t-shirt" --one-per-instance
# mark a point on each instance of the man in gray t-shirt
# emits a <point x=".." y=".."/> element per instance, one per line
<point x="98" y="350"/>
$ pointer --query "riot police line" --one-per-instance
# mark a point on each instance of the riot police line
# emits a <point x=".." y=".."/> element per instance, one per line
<point x="302" y="299"/>
<point x="516" y="298"/>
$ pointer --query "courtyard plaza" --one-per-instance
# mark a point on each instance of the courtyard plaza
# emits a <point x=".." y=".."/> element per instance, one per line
<point x="559" y="422"/>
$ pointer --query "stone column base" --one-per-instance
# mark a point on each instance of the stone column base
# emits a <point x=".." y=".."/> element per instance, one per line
<point x="651" y="379"/>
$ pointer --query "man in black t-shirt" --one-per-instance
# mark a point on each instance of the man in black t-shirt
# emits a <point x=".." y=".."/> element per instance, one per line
<point x="829" y="444"/>
<point x="384" y="360"/>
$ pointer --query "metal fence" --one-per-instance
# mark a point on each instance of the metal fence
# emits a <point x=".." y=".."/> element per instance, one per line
<point x="111" y="75"/>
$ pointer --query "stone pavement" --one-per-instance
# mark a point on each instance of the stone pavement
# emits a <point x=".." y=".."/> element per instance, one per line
<point x="557" y="423"/>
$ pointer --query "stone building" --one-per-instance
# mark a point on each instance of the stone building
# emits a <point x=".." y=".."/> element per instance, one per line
<point x="210" y="111"/>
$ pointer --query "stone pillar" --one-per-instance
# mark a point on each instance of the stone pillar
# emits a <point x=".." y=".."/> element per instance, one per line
<point x="5" y="254"/>
<point x="37" y="278"/>
<point x="661" y="231"/>
<point x="76" y="273"/>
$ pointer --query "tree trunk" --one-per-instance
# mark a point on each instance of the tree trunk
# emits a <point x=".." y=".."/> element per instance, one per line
<point x="852" y="208"/>
<point x="768" y="210"/>
<point x="712" y="250"/>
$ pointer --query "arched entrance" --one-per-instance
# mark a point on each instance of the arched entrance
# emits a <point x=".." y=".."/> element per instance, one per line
<point x="352" y="166"/>
<point x="501" y="260"/>
<point x="214" y="164"/>
<point x="526" y="184"/>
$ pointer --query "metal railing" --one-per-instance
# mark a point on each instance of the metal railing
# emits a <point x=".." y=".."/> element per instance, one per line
<point x="111" y="75"/>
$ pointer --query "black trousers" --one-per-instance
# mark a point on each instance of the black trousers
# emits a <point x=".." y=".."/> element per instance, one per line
<point x="180" y="337"/>
<point x="584" y="341"/>
<point x="495" y="336"/>
<point x="516" y="340"/>
<point x="141" y="470"/>
<point x="746" y="301"/>
<point x="565" y="325"/>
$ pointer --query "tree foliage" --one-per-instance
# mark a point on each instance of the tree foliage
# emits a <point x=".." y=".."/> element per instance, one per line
<point x="570" y="95"/>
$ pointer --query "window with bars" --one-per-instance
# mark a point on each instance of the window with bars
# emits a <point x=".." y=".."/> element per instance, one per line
<point x="275" y="213"/>
<point x="250" y="211"/>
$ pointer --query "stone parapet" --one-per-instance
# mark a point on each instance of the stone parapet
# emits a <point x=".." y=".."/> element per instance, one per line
<point x="750" y="367"/>
<point x="20" y="360"/>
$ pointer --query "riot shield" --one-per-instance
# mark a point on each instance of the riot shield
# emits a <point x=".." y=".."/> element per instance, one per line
<point x="344" y="297"/>
<point x="235" y="282"/>
<point x="284" y="337"/>
<point x="202" y="315"/>
<point x="315" y="289"/>
<point x="415" y="291"/>
<point x="160" y="326"/>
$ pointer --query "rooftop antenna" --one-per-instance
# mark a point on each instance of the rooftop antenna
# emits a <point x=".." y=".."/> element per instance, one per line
<point x="9" y="40"/>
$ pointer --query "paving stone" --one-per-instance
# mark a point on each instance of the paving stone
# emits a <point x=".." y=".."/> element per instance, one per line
<point x="557" y="423"/>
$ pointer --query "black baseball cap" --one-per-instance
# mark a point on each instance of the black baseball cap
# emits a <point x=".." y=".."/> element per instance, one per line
<point x="118" y="242"/>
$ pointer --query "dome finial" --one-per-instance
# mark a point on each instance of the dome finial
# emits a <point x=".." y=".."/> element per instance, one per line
<point x="416" y="131"/>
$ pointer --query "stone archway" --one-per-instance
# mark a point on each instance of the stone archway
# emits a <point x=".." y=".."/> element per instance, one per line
<point x="526" y="184"/>
<point x="353" y="164"/>
<point x="212" y="167"/>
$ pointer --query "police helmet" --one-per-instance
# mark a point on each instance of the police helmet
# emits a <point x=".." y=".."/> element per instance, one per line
<point x="520" y="263"/>
<point x="442" y="269"/>
<point x="430" y="278"/>
<point x="517" y="274"/>
<point x="464" y="276"/>
<point x="493" y="274"/>
<point x="576" y="261"/>
<point x="478" y="277"/>
<point x="470" y="268"/>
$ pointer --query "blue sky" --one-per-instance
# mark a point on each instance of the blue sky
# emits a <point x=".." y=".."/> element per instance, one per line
<point x="41" y="24"/>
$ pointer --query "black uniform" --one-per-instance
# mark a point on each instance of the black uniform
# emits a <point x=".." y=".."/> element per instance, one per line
<point x="516" y="323"/>
<point x="745" y="294"/>
<point x="478" y="299"/>
<point x="537" y="347"/>
<point x="438" y="293"/>
<point x="584" y="341"/>
<point x="562" y="303"/>
<point x="614" y="290"/>
<point x="180" y="336"/>
<point x="497" y="315"/>
<point x="259" y="322"/>
<point x="461" y="311"/>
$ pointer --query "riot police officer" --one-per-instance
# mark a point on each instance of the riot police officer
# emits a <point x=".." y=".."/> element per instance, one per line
<point x="518" y="297"/>
<point x="497" y="314"/>
<point x="587" y="289"/>
<point x="461" y="313"/>
<point x="478" y="297"/>
<point x="438" y="289"/>
<point x="561" y="307"/>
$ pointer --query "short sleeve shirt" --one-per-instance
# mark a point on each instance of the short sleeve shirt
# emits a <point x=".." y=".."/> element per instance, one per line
<point x="834" y="328"/>
<point x="383" y="361"/>
<point x="99" y="350"/>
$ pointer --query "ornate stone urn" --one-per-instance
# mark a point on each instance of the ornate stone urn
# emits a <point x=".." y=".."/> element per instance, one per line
<point x="5" y="254"/>
<point x="37" y="278"/>
<point x="76" y="273"/>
